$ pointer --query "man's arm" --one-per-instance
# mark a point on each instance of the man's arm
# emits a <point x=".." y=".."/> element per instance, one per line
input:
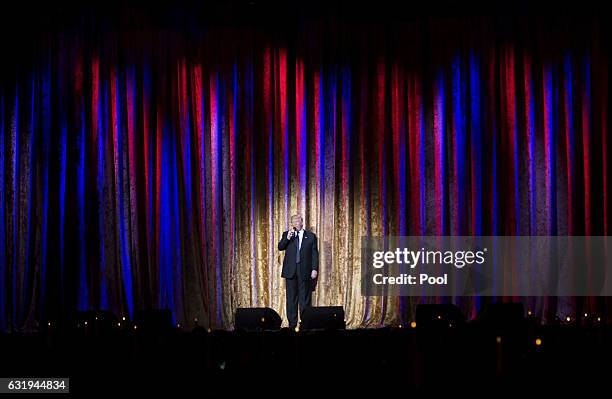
<point x="315" y="254"/>
<point x="282" y="244"/>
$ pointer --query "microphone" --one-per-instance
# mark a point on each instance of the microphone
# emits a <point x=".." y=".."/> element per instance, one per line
<point x="295" y="232"/>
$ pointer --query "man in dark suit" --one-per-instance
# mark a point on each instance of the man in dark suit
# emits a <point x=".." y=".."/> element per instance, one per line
<point x="300" y="267"/>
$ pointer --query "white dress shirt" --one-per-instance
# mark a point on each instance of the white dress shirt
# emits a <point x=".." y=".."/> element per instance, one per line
<point x="300" y="236"/>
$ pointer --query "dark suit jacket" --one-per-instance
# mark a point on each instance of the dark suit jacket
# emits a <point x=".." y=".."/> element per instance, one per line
<point x="309" y="254"/>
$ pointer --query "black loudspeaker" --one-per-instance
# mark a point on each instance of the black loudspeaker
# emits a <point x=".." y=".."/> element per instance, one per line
<point x="323" y="318"/>
<point x="256" y="319"/>
<point x="153" y="320"/>
<point x="442" y="315"/>
<point x="502" y="315"/>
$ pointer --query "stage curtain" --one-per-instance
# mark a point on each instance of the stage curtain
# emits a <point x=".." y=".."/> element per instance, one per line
<point x="144" y="166"/>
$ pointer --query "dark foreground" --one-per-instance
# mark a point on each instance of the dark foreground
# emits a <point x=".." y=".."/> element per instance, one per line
<point x="458" y="358"/>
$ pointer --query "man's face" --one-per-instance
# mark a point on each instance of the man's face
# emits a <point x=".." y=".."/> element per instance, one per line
<point x="297" y="222"/>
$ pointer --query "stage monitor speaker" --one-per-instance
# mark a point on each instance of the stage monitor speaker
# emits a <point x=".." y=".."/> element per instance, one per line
<point x="439" y="315"/>
<point x="256" y="319"/>
<point x="158" y="320"/>
<point x="323" y="318"/>
<point x="502" y="315"/>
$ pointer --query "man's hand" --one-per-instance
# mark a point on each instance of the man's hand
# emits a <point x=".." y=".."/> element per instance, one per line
<point x="290" y="234"/>
<point x="313" y="274"/>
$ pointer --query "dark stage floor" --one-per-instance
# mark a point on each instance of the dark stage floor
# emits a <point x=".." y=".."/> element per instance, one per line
<point x="459" y="358"/>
